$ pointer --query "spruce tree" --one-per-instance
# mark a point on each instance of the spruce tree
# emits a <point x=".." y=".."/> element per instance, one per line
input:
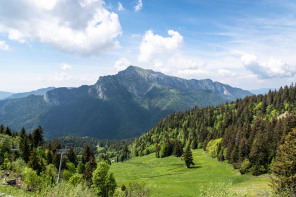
<point x="284" y="170"/>
<point x="25" y="149"/>
<point x="187" y="156"/>
<point x="87" y="154"/>
<point x="72" y="156"/>
<point x="90" y="166"/>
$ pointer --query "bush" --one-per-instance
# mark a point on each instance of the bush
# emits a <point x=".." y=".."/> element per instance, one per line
<point x="80" y="168"/>
<point x="52" y="172"/>
<point x="30" y="178"/>
<point x="75" y="180"/>
<point x="71" y="167"/>
<point x="6" y="164"/>
<point x="245" y="166"/>
<point x="67" y="174"/>
<point x="18" y="165"/>
<point x="65" y="190"/>
<point x="103" y="181"/>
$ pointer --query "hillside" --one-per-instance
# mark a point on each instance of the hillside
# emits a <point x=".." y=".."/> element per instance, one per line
<point x="246" y="132"/>
<point x="169" y="177"/>
<point x="118" y="106"/>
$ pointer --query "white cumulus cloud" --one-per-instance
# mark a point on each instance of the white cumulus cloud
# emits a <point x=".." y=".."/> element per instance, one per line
<point x="122" y="64"/>
<point x="155" y="44"/>
<point x="272" y="68"/>
<point x="66" y="66"/>
<point x="139" y="6"/>
<point x="84" y="27"/>
<point x="3" y="46"/>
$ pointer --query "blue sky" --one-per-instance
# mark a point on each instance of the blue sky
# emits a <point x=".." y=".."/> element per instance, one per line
<point x="246" y="44"/>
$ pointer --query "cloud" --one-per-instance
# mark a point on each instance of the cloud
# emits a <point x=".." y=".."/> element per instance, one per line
<point x="139" y="6"/>
<point x="61" y="77"/>
<point x="122" y="64"/>
<point x="120" y="7"/>
<point x="155" y="44"/>
<point x="83" y="27"/>
<point x="180" y="61"/>
<point x="226" y="73"/>
<point x="4" y="46"/>
<point x="66" y="66"/>
<point x="193" y="72"/>
<point x="273" y="68"/>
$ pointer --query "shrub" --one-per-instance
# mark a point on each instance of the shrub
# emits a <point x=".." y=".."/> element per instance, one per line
<point x="103" y="181"/>
<point x="80" y="168"/>
<point x="18" y="165"/>
<point x="75" y="180"/>
<point x="71" y="167"/>
<point x="67" y="174"/>
<point x="65" y="190"/>
<point x="245" y="166"/>
<point x="30" y="178"/>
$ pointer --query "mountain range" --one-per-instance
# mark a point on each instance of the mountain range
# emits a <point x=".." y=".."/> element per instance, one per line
<point x="116" y="106"/>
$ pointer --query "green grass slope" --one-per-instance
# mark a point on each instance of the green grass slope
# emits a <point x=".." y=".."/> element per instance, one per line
<point x="169" y="177"/>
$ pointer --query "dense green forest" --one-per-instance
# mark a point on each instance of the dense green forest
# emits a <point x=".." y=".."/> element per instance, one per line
<point x="246" y="132"/>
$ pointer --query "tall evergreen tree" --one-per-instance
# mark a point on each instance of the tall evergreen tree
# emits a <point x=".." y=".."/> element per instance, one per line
<point x="72" y="156"/>
<point x="38" y="137"/>
<point x="187" y="156"/>
<point x="25" y="149"/>
<point x="87" y="154"/>
<point x="284" y="170"/>
<point x="90" y="166"/>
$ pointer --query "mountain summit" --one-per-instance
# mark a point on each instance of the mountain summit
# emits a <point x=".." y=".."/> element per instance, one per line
<point x="116" y="106"/>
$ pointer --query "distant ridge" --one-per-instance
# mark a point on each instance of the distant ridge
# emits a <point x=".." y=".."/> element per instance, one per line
<point x="25" y="94"/>
<point x="116" y="106"/>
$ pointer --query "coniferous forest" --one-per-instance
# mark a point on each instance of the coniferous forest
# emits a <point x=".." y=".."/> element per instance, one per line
<point x="246" y="133"/>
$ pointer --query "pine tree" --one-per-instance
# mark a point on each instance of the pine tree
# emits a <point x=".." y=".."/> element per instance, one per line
<point x="87" y="154"/>
<point x="72" y="156"/>
<point x="25" y="149"/>
<point x="36" y="162"/>
<point x="284" y="171"/>
<point x="90" y="166"/>
<point x="38" y="137"/>
<point x="187" y="155"/>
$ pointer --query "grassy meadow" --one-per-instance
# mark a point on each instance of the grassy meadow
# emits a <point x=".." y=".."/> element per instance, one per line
<point x="168" y="177"/>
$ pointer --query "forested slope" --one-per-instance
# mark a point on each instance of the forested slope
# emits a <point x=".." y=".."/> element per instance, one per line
<point x="246" y="132"/>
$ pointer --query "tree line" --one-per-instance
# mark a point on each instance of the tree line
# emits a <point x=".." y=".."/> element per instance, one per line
<point x="246" y="132"/>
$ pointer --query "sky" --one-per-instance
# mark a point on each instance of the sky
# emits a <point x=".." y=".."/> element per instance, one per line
<point x="248" y="44"/>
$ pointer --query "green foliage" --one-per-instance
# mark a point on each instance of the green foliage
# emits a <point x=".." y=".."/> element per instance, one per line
<point x="103" y="181"/>
<point x="134" y="189"/>
<point x="18" y="165"/>
<point x="71" y="167"/>
<point x="80" y="168"/>
<point x="284" y="171"/>
<point x="245" y="166"/>
<point x="75" y="180"/>
<point x="187" y="156"/>
<point x="6" y="164"/>
<point x="250" y="128"/>
<point x="65" y="190"/>
<point x="52" y="172"/>
<point x="30" y="178"/>
<point x="212" y="147"/>
<point x="67" y="174"/>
